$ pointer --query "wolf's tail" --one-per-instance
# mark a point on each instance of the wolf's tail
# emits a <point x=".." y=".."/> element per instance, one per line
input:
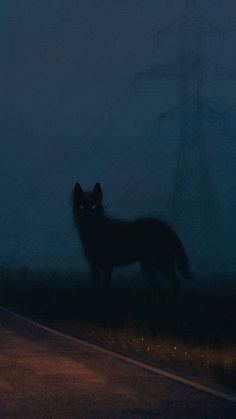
<point x="181" y="258"/>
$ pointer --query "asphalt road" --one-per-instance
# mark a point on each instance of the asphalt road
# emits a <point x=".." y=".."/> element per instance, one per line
<point x="47" y="376"/>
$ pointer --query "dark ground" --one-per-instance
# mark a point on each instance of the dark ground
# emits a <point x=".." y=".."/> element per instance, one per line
<point x="47" y="376"/>
<point x="194" y="336"/>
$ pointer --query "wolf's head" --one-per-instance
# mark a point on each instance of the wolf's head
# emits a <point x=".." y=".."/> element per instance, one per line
<point x="87" y="205"/>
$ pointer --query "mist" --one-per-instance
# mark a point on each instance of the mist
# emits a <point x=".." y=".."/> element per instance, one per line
<point x="71" y="110"/>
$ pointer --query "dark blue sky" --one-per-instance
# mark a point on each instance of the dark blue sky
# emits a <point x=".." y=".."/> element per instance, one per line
<point x="68" y="112"/>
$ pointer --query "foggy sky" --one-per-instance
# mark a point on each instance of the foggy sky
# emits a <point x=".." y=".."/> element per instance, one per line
<point x="69" y="112"/>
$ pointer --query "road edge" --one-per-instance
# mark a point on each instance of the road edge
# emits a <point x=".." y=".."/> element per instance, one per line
<point x="125" y="358"/>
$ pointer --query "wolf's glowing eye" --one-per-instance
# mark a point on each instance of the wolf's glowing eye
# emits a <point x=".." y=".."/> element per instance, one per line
<point x="81" y="207"/>
<point x="94" y="207"/>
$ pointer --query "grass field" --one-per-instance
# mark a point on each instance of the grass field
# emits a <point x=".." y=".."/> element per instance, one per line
<point x="194" y="335"/>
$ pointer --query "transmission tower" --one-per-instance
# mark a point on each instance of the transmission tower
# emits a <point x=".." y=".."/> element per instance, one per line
<point x="195" y="209"/>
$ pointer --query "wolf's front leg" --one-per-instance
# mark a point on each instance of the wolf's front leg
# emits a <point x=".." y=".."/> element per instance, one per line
<point x="95" y="279"/>
<point x="107" y="277"/>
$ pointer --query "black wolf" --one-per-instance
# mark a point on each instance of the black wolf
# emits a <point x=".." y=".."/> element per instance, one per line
<point x="110" y="242"/>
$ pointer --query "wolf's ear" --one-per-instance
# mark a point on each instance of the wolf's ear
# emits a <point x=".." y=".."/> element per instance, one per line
<point x="97" y="191"/>
<point x="77" y="189"/>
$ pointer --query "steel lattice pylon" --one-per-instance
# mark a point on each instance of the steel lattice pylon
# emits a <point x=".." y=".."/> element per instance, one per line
<point x="195" y="209"/>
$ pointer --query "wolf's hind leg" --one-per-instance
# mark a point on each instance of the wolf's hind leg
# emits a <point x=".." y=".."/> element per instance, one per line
<point x="171" y="276"/>
<point x="149" y="272"/>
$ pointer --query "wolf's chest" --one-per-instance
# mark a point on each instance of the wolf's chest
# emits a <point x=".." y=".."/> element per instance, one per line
<point x="112" y="245"/>
<point x="94" y="242"/>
